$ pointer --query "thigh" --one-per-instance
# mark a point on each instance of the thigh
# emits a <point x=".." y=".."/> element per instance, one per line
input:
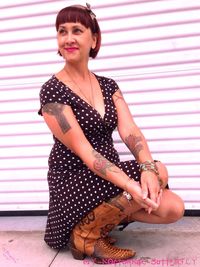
<point x="171" y="206"/>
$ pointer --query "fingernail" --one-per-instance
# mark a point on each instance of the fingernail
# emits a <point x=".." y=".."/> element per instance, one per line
<point x="149" y="210"/>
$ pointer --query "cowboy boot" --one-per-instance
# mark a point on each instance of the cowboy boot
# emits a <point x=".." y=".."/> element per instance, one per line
<point x="125" y="205"/>
<point x="89" y="236"/>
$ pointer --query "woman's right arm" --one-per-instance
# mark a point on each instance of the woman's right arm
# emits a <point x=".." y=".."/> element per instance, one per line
<point x="63" y="124"/>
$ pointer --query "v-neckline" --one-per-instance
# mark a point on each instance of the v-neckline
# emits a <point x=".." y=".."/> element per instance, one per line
<point x="102" y="91"/>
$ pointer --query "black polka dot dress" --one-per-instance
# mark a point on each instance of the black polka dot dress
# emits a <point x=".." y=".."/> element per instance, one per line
<point x="74" y="190"/>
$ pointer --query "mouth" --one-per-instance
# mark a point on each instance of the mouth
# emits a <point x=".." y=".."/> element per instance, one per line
<point x="71" y="49"/>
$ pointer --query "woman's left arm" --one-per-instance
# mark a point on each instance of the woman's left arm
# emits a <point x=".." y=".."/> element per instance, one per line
<point x="137" y="144"/>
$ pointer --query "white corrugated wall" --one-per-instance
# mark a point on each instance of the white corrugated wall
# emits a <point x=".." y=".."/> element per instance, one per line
<point x="151" y="48"/>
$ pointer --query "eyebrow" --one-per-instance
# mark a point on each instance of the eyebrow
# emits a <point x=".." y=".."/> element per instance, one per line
<point x="74" y="26"/>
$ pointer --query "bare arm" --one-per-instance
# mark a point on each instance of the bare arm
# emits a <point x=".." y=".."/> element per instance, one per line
<point x="129" y="131"/>
<point x="137" y="144"/>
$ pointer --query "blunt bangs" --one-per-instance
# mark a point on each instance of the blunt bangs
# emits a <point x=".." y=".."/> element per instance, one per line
<point x="74" y="14"/>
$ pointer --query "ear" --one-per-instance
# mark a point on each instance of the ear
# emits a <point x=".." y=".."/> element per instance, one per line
<point x="94" y="43"/>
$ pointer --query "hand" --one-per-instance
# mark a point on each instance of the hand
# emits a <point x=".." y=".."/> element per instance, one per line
<point x="135" y="190"/>
<point x="150" y="186"/>
<point x="149" y="210"/>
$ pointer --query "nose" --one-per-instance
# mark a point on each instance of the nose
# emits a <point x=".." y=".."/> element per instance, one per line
<point x="69" y="38"/>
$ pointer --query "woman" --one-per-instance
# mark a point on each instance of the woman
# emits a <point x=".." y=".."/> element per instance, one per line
<point x="91" y="191"/>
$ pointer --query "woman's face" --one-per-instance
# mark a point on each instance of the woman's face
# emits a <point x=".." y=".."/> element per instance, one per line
<point x="75" y="41"/>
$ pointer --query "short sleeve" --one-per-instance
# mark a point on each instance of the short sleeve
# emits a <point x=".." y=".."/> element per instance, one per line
<point x="53" y="91"/>
<point x="110" y="85"/>
<point x="113" y="85"/>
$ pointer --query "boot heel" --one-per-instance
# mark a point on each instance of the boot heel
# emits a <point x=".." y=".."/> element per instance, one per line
<point x="77" y="254"/>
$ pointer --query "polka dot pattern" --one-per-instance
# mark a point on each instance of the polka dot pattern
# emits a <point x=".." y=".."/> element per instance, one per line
<point x="74" y="189"/>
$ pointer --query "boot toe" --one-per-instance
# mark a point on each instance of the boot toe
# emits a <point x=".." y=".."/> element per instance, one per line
<point x="105" y="253"/>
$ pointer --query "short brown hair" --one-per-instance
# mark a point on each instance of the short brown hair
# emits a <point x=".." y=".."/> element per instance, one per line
<point x="82" y="15"/>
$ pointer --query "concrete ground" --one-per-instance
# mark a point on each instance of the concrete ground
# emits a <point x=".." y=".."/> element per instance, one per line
<point x="177" y="244"/>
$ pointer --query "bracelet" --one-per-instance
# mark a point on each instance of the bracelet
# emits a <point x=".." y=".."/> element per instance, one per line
<point x="149" y="166"/>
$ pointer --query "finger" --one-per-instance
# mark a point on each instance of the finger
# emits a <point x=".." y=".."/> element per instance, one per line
<point x="161" y="192"/>
<point x="158" y="200"/>
<point x="154" y="190"/>
<point x="153" y="195"/>
<point x="159" y="197"/>
<point x="144" y="194"/>
<point x="144" y="191"/>
<point x="151" y="203"/>
<point x="143" y="204"/>
<point x="149" y="210"/>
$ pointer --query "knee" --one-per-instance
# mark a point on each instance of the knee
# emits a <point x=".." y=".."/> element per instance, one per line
<point x="180" y="209"/>
<point x="172" y="209"/>
<point x="177" y="210"/>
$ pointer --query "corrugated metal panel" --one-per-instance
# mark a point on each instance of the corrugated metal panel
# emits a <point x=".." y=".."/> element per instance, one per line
<point x="151" y="48"/>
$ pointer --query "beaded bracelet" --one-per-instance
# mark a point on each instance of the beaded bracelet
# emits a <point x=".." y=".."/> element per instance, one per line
<point x="149" y="166"/>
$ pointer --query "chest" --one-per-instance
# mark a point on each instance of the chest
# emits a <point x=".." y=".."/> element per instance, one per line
<point x="95" y="120"/>
<point x="92" y="94"/>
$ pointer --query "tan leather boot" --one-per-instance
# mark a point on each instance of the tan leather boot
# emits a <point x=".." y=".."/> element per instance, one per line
<point x="89" y="236"/>
<point x="125" y="206"/>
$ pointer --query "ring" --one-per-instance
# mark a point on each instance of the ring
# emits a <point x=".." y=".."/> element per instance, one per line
<point x="127" y="195"/>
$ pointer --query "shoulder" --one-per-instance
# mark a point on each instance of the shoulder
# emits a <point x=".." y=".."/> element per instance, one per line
<point x="51" y="84"/>
<point x="109" y="83"/>
<point x="106" y="80"/>
<point x="54" y="90"/>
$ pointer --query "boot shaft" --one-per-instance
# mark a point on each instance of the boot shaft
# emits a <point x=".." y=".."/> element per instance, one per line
<point x="97" y="224"/>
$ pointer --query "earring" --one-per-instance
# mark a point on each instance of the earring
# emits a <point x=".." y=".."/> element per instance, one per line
<point x="59" y="53"/>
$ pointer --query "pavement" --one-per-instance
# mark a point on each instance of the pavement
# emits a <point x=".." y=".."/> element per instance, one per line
<point x="177" y="244"/>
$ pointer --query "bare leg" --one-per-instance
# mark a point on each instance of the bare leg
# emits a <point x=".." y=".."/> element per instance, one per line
<point x="170" y="210"/>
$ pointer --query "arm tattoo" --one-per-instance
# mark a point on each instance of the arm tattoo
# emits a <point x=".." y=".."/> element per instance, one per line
<point x="57" y="110"/>
<point x="118" y="96"/>
<point x="134" y="144"/>
<point x="101" y="164"/>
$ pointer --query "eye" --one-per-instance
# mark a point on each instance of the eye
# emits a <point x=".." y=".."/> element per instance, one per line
<point x="61" y="31"/>
<point x="77" y="31"/>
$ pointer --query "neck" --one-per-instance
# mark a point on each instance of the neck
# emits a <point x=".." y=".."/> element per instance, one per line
<point x="80" y="72"/>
